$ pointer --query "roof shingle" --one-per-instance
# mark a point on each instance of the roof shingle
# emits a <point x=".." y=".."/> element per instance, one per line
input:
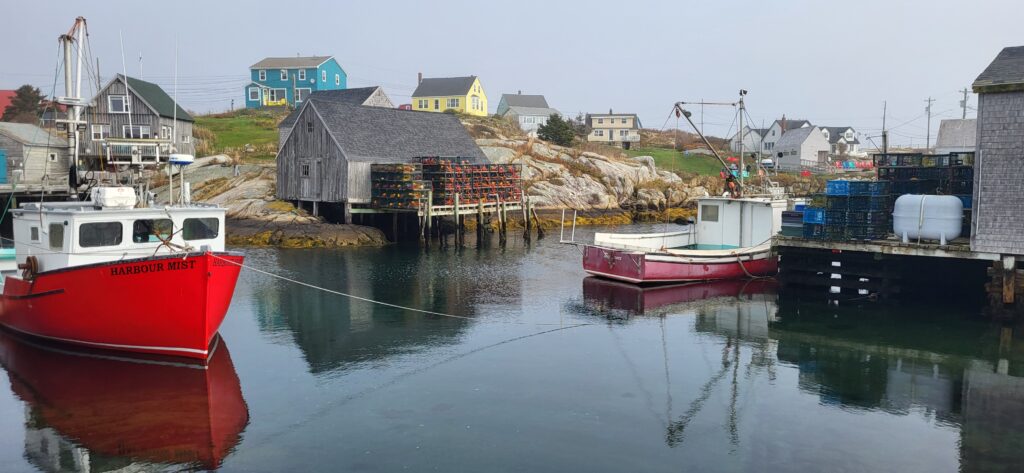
<point x="356" y="96"/>
<point x="1004" y="74"/>
<point x="520" y="100"/>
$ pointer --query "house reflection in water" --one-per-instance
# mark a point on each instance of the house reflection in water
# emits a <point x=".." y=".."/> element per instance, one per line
<point x="335" y="332"/>
<point x="95" y="411"/>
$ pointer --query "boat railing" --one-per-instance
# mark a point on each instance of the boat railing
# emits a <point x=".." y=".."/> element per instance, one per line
<point x="572" y="235"/>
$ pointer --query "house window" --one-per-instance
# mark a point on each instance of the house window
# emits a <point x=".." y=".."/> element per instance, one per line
<point x="323" y="76"/>
<point x="600" y="121"/>
<point x="186" y="138"/>
<point x="302" y="74"/>
<point x="309" y="126"/>
<point x="137" y="132"/>
<point x="284" y="74"/>
<point x="152" y="230"/>
<point x="165" y="132"/>
<point x="423" y="103"/>
<point x="598" y="132"/>
<point x="118" y="104"/>
<point x="301" y="94"/>
<point x="437" y="104"/>
<point x="709" y="213"/>
<point x="849" y="135"/>
<point x="254" y="93"/>
<point x="623" y="121"/>
<point x="200" y="228"/>
<point x="100" y="132"/>
<point x="263" y="74"/>
<point x="476" y="103"/>
<point x="453" y="103"/>
<point x="337" y="79"/>
<point x="622" y="133"/>
<point x="57" y="236"/>
<point x="95" y="234"/>
<point x="304" y="169"/>
<point x="278" y="94"/>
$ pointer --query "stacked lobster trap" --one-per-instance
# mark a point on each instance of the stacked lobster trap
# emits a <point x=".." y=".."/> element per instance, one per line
<point x="443" y="181"/>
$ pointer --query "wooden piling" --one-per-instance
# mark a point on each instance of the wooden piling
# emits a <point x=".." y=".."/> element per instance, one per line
<point x="480" y="222"/>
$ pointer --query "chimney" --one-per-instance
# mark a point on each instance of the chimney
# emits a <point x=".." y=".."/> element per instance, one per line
<point x="782" y="123"/>
<point x="609" y="111"/>
<point x="419" y="78"/>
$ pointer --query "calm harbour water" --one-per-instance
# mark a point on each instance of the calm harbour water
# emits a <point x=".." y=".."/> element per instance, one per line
<point x="549" y="371"/>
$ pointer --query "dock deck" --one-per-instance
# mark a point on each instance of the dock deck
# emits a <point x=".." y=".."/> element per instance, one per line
<point x="959" y="248"/>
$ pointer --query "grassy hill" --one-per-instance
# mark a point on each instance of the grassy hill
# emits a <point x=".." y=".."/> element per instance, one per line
<point x="671" y="160"/>
<point x="249" y="134"/>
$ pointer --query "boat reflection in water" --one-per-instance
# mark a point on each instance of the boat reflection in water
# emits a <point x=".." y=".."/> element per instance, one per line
<point x="605" y="295"/>
<point x="93" y="411"/>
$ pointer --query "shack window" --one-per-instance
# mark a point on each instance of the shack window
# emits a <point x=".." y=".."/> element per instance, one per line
<point x="709" y="213"/>
<point x="118" y="103"/>
<point x="304" y="169"/>
<point x="34" y="233"/>
<point x="99" y="234"/>
<point x="201" y="228"/>
<point x="57" y="236"/>
<point x="152" y="230"/>
<point x="309" y="126"/>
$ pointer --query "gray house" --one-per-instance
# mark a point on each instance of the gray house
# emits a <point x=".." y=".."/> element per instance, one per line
<point x="801" y="148"/>
<point x="33" y="155"/>
<point x="997" y="225"/>
<point x="134" y="121"/>
<point x="957" y="136"/>
<point x="327" y="156"/>
<point x="368" y="96"/>
<point x="528" y="111"/>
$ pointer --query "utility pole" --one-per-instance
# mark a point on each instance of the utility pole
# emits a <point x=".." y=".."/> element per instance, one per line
<point x="928" y="135"/>
<point x="98" y="83"/>
<point x="140" y="64"/>
<point x="885" y="133"/>
<point x="963" y="103"/>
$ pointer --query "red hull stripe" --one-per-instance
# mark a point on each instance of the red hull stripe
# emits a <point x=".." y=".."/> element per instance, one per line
<point x="113" y="345"/>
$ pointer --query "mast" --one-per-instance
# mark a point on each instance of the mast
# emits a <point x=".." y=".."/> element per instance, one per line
<point x="73" y="93"/>
<point x="742" y="93"/>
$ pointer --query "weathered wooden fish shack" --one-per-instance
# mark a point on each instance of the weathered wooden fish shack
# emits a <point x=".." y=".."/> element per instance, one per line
<point x="838" y="259"/>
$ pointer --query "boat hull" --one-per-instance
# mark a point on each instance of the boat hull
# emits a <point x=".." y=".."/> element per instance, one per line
<point x="639" y="267"/>
<point x="167" y="305"/>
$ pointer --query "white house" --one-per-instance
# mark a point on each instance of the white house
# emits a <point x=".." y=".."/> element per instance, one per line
<point x="801" y="148"/>
<point x="957" y="136"/>
<point x="752" y="139"/>
<point x="775" y="132"/>
<point x="842" y="140"/>
<point x="529" y="111"/>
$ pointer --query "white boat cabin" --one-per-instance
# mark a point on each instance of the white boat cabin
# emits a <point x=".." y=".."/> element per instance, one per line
<point x="110" y="228"/>
<point x="722" y="223"/>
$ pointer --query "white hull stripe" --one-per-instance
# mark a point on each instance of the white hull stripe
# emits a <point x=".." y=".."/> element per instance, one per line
<point x="112" y="345"/>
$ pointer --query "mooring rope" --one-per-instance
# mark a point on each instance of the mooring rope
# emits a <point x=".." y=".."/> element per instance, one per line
<point x="385" y="304"/>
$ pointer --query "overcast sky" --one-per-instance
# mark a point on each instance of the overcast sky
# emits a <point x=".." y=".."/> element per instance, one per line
<point x="833" y="63"/>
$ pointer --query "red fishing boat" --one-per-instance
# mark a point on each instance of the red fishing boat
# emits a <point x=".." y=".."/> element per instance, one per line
<point x="87" y="410"/>
<point x="730" y="240"/>
<point x="106" y="274"/>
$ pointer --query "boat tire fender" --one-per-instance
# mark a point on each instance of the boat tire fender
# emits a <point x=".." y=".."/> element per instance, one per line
<point x="29" y="268"/>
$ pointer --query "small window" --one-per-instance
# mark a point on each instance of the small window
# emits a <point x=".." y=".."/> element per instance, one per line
<point x="200" y="228"/>
<point x="709" y="213"/>
<point x="137" y="132"/>
<point x="600" y="121"/>
<point x="323" y="76"/>
<point x="152" y="230"/>
<point x="309" y="126"/>
<point x="254" y="94"/>
<point x="337" y="79"/>
<point x="304" y="170"/>
<point x="53" y="157"/>
<point x="91" y="235"/>
<point x="186" y="138"/>
<point x="118" y="103"/>
<point x="100" y="132"/>
<point x="165" y="132"/>
<point x="453" y="103"/>
<point x="34" y="233"/>
<point x="302" y="74"/>
<point x="623" y="121"/>
<point x="423" y="103"/>
<point x="437" y="104"/>
<point x="284" y="74"/>
<point x="476" y="103"/>
<point x="598" y="132"/>
<point x="57" y="236"/>
<point x="263" y="75"/>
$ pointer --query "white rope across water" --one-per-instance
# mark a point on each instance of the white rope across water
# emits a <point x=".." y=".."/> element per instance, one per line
<point x="385" y="304"/>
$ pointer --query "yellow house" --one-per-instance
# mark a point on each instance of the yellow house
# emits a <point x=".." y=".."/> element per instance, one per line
<point x="464" y="94"/>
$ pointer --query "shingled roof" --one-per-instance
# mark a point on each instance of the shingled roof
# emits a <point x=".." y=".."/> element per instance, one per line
<point x="520" y="100"/>
<point x="444" y="86"/>
<point x="1004" y="74"/>
<point x="836" y="132"/>
<point x="357" y="96"/>
<point x="957" y="133"/>
<point x="155" y="96"/>
<point x="387" y="134"/>
<point x="290" y="62"/>
<point x="32" y="135"/>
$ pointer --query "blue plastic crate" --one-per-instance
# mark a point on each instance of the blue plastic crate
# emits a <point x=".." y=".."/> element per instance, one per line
<point x="814" y="215"/>
<point x="967" y="200"/>
<point x="799" y="207"/>
<point x="837" y="187"/>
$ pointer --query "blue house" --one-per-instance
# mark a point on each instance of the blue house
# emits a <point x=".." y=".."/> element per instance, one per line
<point x="287" y="81"/>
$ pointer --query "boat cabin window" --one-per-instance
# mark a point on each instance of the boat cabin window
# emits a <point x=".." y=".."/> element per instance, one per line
<point x="99" y="234"/>
<point x="152" y="230"/>
<point x="709" y="213"/>
<point x="57" y="236"/>
<point x="34" y="233"/>
<point x="200" y="228"/>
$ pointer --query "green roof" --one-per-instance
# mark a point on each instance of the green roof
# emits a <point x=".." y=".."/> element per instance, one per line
<point x="157" y="98"/>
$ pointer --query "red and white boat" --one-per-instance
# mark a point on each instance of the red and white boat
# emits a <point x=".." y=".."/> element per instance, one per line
<point x="106" y="274"/>
<point x="730" y="240"/>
